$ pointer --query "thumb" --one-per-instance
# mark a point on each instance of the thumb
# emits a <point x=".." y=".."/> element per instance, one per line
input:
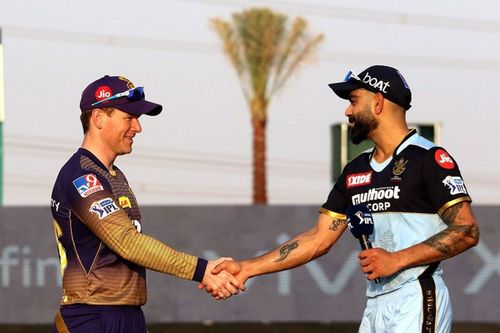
<point x="219" y="267"/>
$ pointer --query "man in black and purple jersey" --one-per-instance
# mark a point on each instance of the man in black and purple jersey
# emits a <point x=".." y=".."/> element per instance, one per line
<point x="97" y="222"/>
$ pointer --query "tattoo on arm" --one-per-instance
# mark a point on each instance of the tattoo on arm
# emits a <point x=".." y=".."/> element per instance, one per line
<point x="336" y="223"/>
<point x="451" y="213"/>
<point x="445" y="241"/>
<point x="286" y="249"/>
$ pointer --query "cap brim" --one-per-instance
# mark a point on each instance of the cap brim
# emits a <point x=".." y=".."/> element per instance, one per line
<point x="343" y="89"/>
<point x="141" y="107"/>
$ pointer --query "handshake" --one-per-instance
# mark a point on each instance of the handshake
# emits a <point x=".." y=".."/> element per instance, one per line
<point x="223" y="278"/>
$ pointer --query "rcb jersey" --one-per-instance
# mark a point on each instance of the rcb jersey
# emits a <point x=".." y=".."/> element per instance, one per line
<point x="102" y="251"/>
<point x="406" y="195"/>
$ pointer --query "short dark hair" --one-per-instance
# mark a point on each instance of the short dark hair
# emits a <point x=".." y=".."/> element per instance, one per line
<point x="85" y="117"/>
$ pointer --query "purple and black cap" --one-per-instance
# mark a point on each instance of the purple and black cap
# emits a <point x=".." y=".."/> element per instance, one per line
<point x="378" y="79"/>
<point x="118" y="92"/>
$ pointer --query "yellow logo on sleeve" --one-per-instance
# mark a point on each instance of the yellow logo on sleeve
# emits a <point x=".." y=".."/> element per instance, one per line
<point x="124" y="202"/>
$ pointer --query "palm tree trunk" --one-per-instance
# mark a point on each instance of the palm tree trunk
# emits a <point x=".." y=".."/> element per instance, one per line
<point x="259" y="151"/>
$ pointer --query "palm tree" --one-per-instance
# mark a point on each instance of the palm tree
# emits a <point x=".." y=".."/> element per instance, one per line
<point x="265" y="51"/>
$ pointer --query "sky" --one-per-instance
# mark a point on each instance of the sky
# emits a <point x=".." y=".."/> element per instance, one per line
<point x="198" y="151"/>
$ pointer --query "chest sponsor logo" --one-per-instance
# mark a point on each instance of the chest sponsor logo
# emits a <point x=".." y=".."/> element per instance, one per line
<point x="359" y="179"/>
<point x="124" y="202"/>
<point x="443" y="159"/>
<point x="455" y="185"/>
<point x="87" y="184"/>
<point x="103" y="208"/>
<point x="377" y="199"/>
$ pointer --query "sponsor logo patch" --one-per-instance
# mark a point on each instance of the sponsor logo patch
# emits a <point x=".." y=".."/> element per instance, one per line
<point x="455" y="185"/>
<point x="87" y="184"/>
<point x="102" y="92"/>
<point x="124" y="202"/>
<point x="103" y="208"/>
<point x="377" y="199"/>
<point x="376" y="83"/>
<point x="443" y="159"/>
<point x="374" y="194"/>
<point x="359" y="179"/>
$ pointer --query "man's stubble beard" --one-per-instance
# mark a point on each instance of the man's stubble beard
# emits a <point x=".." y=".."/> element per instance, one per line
<point x="362" y="127"/>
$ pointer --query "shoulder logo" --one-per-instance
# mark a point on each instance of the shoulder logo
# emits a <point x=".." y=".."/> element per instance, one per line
<point x="455" y="185"/>
<point x="443" y="159"/>
<point x="124" y="202"/>
<point x="103" y="208"/>
<point x="359" y="179"/>
<point x="87" y="184"/>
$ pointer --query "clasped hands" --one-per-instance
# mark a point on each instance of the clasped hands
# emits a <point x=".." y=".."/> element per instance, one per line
<point x="223" y="278"/>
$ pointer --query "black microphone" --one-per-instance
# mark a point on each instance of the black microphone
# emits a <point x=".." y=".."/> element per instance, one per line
<point x="360" y="223"/>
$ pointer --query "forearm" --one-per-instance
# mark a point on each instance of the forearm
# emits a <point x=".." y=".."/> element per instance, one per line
<point x="153" y="254"/>
<point x="461" y="234"/>
<point x="297" y="251"/>
<point x="147" y="251"/>
<point x="286" y="256"/>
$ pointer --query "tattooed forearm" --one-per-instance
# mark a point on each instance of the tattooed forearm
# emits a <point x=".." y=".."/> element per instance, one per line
<point x="457" y="237"/>
<point x="441" y="243"/>
<point x="286" y="249"/>
<point x="336" y="223"/>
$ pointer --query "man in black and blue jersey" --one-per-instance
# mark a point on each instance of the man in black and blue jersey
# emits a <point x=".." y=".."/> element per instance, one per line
<point x="420" y="205"/>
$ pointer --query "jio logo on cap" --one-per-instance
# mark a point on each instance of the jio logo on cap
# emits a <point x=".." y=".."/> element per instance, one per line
<point x="102" y="92"/>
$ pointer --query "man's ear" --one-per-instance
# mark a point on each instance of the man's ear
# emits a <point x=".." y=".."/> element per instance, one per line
<point x="379" y="103"/>
<point x="97" y="118"/>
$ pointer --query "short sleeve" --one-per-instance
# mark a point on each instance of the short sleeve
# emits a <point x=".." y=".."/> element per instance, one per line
<point x="443" y="181"/>
<point x="337" y="202"/>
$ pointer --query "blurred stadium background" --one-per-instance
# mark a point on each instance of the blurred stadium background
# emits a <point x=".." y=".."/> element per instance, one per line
<point x="321" y="295"/>
<point x="199" y="151"/>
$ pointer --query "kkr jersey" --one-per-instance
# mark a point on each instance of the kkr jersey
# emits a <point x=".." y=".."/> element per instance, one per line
<point x="406" y="195"/>
<point x="103" y="253"/>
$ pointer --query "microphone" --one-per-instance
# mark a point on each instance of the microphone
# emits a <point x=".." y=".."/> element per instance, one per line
<point x="360" y="223"/>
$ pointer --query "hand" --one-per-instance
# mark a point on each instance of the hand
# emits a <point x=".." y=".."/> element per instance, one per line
<point x="221" y="285"/>
<point x="237" y="269"/>
<point x="377" y="262"/>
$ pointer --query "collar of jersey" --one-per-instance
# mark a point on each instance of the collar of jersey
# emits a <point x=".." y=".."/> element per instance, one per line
<point x="94" y="158"/>
<point x="408" y="140"/>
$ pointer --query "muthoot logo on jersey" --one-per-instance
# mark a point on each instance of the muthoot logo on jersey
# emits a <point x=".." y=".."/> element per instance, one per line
<point x="377" y="194"/>
<point x="376" y="83"/>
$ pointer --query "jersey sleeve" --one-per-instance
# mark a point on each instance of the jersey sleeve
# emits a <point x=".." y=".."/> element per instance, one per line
<point x="337" y="201"/>
<point x="91" y="199"/>
<point x="443" y="181"/>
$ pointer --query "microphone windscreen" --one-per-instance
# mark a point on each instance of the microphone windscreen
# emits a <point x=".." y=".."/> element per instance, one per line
<point x="359" y="220"/>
